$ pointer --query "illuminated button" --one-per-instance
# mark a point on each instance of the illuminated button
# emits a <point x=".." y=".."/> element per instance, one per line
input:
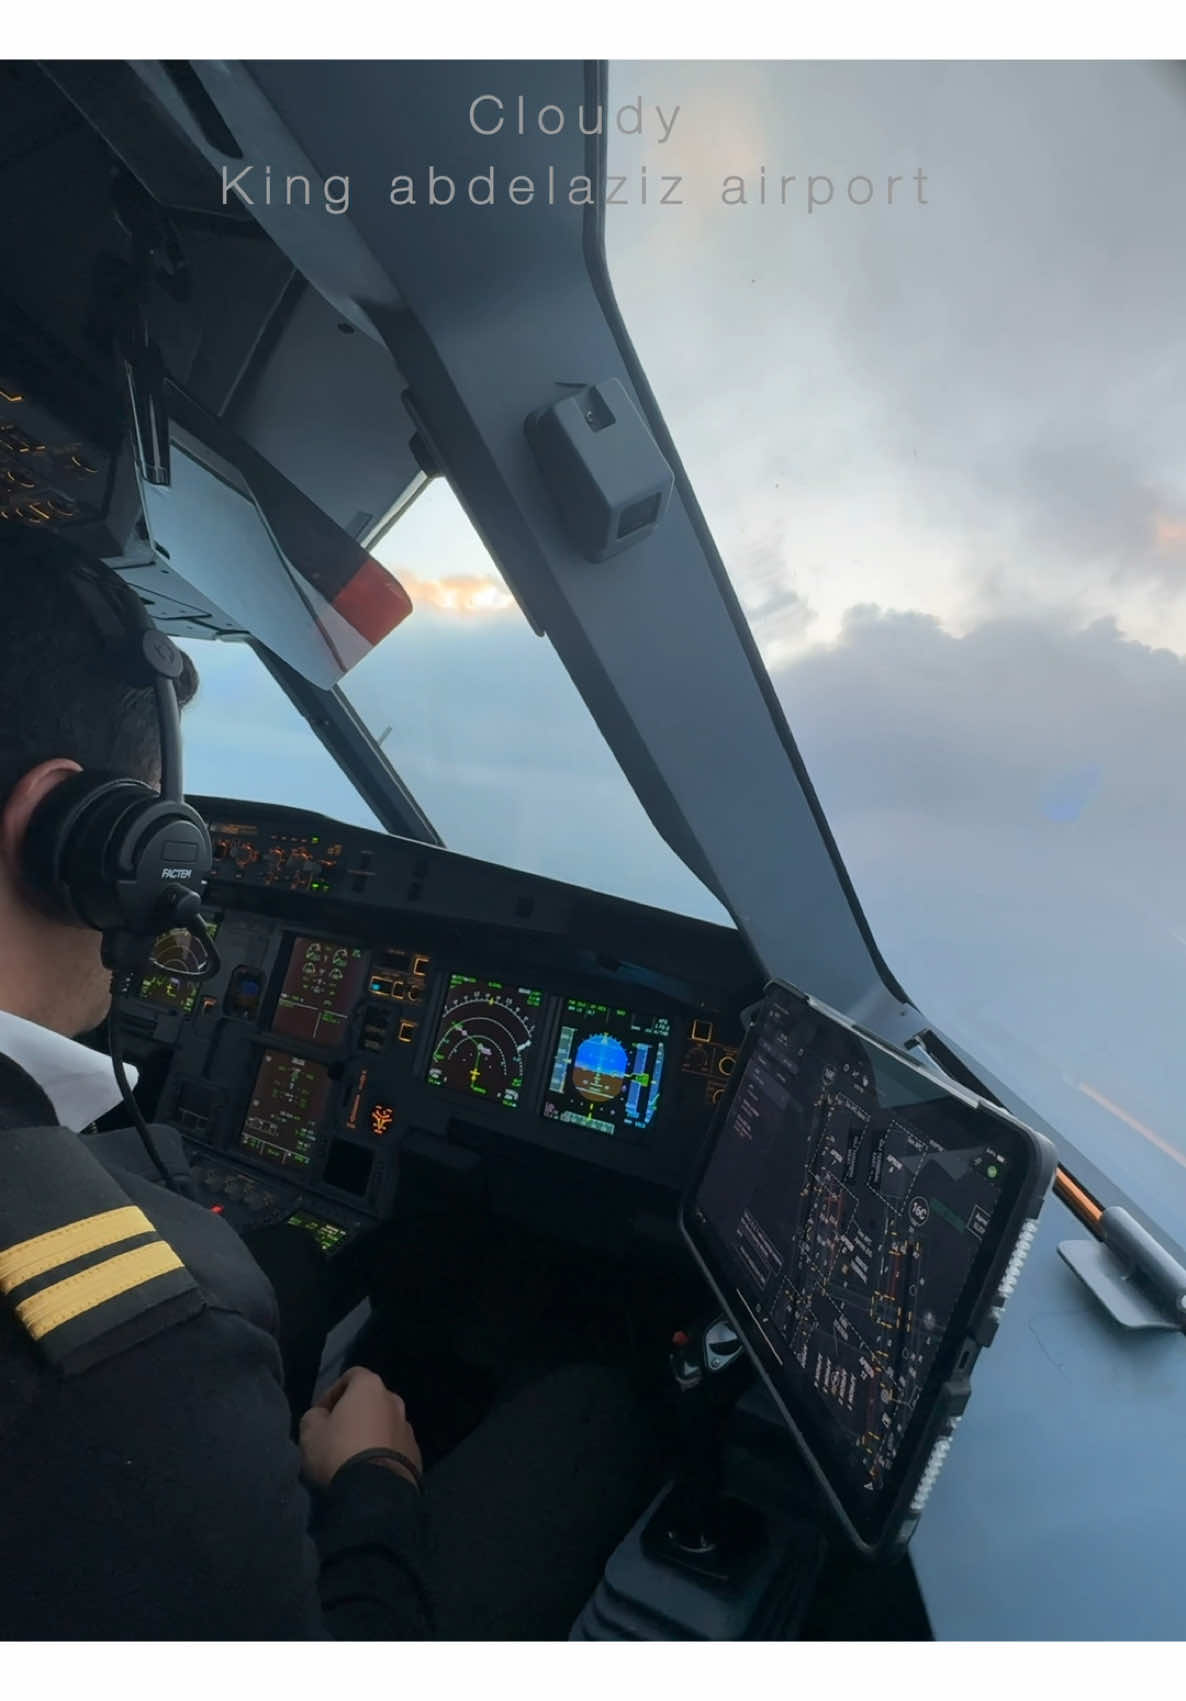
<point x="382" y="1116"/>
<point x="727" y="1063"/>
<point x="701" y="1030"/>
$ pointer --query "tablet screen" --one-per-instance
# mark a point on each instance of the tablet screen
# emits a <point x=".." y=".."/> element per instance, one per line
<point x="849" y="1210"/>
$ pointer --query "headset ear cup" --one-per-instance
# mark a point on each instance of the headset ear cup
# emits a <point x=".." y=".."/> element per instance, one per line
<point x="63" y="858"/>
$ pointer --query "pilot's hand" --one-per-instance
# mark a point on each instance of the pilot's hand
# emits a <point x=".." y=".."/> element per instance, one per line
<point x="357" y="1413"/>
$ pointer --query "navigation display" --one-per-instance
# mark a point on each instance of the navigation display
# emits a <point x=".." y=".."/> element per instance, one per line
<point x="486" y="1031"/>
<point x="851" y="1207"/>
<point x="607" y="1073"/>
<point x="320" y="990"/>
<point x="288" y="1102"/>
<point x="176" y="955"/>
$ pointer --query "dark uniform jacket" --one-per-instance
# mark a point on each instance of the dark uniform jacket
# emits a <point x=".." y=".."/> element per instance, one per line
<point x="150" y="1489"/>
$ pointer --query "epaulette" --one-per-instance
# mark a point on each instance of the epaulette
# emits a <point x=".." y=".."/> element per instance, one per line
<point x="82" y="1268"/>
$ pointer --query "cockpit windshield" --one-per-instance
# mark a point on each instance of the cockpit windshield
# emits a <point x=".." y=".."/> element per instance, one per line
<point x="911" y="328"/>
<point x="914" y="329"/>
<point x="476" y="715"/>
<point x="482" y="722"/>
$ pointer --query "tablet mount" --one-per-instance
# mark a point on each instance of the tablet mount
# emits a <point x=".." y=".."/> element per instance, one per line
<point x="702" y="1563"/>
<point x="696" y="1526"/>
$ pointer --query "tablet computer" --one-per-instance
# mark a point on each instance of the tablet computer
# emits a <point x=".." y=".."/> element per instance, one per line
<point x="863" y="1221"/>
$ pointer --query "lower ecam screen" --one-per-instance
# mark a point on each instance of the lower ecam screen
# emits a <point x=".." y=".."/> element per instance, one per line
<point x="848" y="1198"/>
<point x="287" y="1104"/>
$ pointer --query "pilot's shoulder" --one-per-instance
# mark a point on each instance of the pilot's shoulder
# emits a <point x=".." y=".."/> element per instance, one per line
<point x="84" y="1273"/>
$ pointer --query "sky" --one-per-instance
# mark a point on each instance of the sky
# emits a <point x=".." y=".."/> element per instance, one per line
<point x="941" y="443"/>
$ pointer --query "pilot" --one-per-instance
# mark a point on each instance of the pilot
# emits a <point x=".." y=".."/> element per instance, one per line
<point x="150" y="1486"/>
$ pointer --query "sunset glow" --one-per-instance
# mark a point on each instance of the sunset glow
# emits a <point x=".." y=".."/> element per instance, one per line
<point x="460" y="594"/>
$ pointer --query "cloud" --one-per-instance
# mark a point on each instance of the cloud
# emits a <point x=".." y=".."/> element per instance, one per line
<point x="495" y="741"/>
<point x="1169" y="535"/>
<point x="985" y="386"/>
<point x="1009" y="806"/>
<point x="977" y="727"/>
<point x="244" y="739"/>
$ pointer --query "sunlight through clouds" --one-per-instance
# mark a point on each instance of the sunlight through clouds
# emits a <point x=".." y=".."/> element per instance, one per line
<point x="470" y="595"/>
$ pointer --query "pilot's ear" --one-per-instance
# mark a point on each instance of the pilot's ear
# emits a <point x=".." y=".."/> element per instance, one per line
<point x="22" y="801"/>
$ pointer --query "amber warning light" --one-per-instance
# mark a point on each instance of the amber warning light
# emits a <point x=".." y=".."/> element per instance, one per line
<point x="382" y="1116"/>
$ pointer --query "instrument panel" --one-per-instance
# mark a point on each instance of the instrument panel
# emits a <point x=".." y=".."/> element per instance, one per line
<point x="342" y="1031"/>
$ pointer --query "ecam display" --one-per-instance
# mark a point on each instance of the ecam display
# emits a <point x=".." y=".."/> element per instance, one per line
<point x="287" y="1104"/>
<point x="321" y="988"/>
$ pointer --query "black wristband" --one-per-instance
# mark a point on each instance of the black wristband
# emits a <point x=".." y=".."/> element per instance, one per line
<point x="385" y="1453"/>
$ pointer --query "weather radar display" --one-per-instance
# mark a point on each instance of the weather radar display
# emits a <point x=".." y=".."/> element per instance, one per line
<point x="485" y="1034"/>
<point x="608" y="1068"/>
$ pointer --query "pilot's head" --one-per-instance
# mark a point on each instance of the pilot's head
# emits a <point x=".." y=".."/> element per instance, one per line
<point x="63" y="707"/>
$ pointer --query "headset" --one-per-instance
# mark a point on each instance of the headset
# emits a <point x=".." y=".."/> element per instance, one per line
<point x="110" y="853"/>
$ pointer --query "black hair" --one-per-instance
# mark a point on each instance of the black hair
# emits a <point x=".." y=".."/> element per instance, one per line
<point x="63" y="684"/>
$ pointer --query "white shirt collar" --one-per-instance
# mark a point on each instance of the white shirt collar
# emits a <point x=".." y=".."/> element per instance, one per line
<point x="80" y="1082"/>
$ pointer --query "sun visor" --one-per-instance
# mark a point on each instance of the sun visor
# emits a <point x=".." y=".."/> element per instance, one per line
<point x="252" y="545"/>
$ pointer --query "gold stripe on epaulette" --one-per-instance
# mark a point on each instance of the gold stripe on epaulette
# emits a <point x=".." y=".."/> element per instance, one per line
<point x="67" y="1299"/>
<point x="44" y="1252"/>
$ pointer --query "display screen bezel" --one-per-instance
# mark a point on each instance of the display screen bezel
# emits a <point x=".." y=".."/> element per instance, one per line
<point x="870" y="1517"/>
